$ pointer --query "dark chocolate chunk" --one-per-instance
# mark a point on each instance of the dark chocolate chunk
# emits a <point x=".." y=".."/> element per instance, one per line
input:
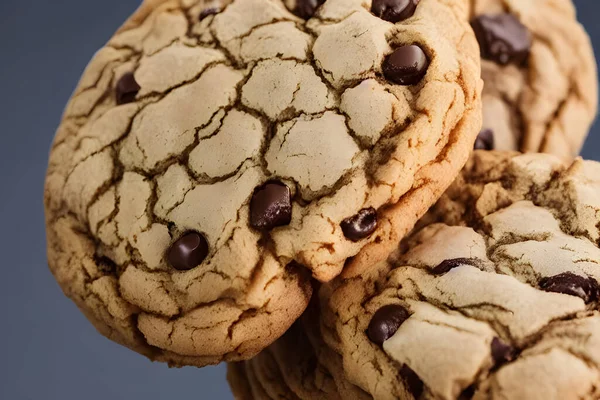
<point x="485" y="140"/>
<point x="446" y="265"/>
<point x="127" y="89"/>
<point x="407" y="65"/>
<point x="305" y="9"/>
<point x="502" y="352"/>
<point x="188" y="251"/>
<point x="571" y="284"/>
<point x="502" y="38"/>
<point x="386" y="322"/>
<point x="209" y="11"/>
<point x="271" y="206"/>
<point x="412" y="380"/>
<point x="360" y="225"/>
<point x="394" y="10"/>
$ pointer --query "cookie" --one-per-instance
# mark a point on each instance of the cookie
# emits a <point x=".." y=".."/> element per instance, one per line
<point x="288" y="369"/>
<point x="541" y="90"/>
<point x="215" y="155"/>
<point x="494" y="295"/>
<point x="297" y="366"/>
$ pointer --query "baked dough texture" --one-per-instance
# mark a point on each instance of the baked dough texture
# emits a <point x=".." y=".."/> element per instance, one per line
<point x="191" y="108"/>
<point x="497" y="290"/>
<point x="494" y="295"/>
<point x="296" y="366"/>
<point x="548" y="103"/>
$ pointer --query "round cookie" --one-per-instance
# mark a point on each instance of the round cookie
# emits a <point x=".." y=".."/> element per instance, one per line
<point x="494" y="295"/>
<point x="541" y="90"/>
<point x="215" y="155"/>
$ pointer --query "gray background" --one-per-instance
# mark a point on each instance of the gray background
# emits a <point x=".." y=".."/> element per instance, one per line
<point x="48" y="349"/>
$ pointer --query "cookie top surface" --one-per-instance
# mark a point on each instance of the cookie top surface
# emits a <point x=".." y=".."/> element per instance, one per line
<point x="214" y="152"/>
<point x="495" y="294"/>
<point x="538" y="65"/>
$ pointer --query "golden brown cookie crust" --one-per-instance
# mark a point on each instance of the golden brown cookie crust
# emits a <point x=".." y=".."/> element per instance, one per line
<point x="297" y="366"/>
<point x="126" y="181"/>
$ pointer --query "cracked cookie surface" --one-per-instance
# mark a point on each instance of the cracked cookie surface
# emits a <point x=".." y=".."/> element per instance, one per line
<point x="216" y="154"/>
<point x="493" y="296"/>
<point x="538" y="65"/>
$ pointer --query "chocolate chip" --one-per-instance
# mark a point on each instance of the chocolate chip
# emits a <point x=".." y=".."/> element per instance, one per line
<point x="188" y="251"/>
<point x="386" y="322"/>
<point x="571" y="284"/>
<point x="209" y="11"/>
<point x="305" y="9"/>
<point x="127" y="89"/>
<point x="407" y="65"/>
<point x="412" y="380"/>
<point x="361" y="225"/>
<point x="485" y="140"/>
<point x="394" y="10"/>
<point x="502" y="38"/>
<point x="502" y="352"/>
<point x="446" y="265"/>
<point x="271" y="206"/>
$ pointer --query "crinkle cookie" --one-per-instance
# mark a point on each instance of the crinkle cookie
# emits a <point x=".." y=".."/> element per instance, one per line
<point x="216" y="155"/>
<point x="541" y="90"/>
<point x="494" y="297"/>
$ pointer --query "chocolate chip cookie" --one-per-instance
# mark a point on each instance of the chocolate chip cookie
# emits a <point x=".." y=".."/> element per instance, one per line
<point x="538" y="65"/>
<point x="494" y="295"/>
<point x="215" y="155"/>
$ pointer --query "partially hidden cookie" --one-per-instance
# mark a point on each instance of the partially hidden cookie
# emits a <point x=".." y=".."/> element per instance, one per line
<point x="297" y="366"/>
<point x="538" y="65"/>
<point x="494" y="296"/>
<point x="215" y="155"/>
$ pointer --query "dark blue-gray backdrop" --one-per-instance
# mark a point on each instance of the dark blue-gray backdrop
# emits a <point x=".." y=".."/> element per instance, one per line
<point x="47" y="348"/>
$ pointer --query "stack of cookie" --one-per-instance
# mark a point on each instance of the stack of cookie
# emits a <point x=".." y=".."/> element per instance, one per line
<point x="291" y="187"/>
